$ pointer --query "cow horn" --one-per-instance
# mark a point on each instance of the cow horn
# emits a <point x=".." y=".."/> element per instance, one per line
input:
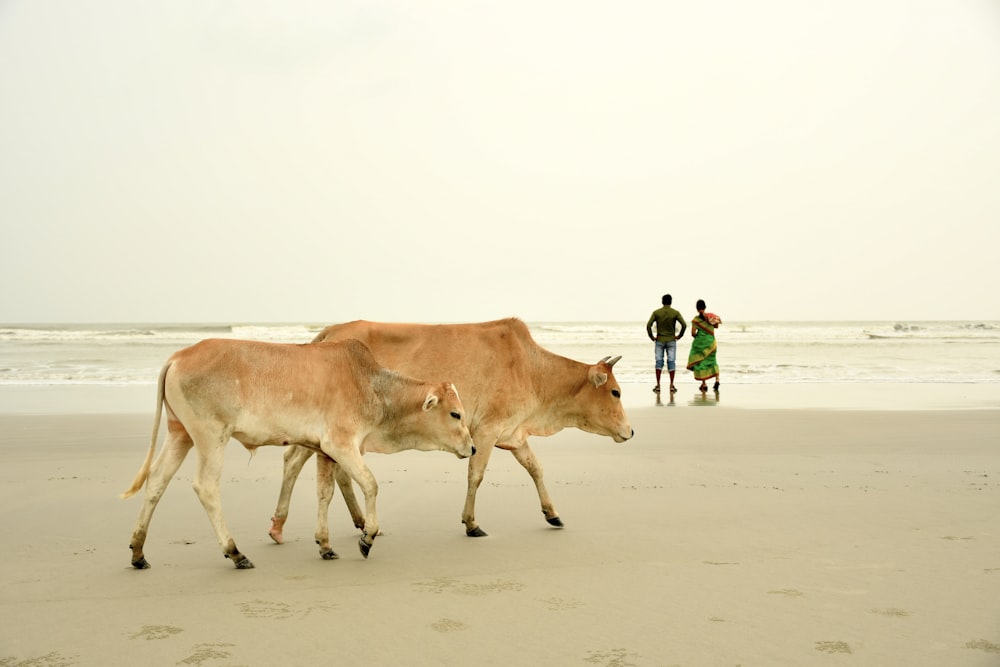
<point x="603" y="361"/>
<point x="613" y="361"/>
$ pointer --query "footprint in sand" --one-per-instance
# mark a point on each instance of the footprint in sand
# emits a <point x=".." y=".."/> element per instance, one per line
<point x="616" y="657"/>
<point x="203" y="652"/>
<point x="790" y="592"/>
<point x="151" y="632"/>
<point x="442" y="584"/>
<point x="833" y="647"/>
<point x="891" y="611"/>
<point x="983" y="645"/>
<point x="448" y="625"/>
<point x="265" y="609"/>
<point x="54" y="659"/>
<point x="562" y="604"/>
<point x="281" y="610"/>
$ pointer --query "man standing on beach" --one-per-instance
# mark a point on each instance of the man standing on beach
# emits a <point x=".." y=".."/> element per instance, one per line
<point x="666" y="319"/>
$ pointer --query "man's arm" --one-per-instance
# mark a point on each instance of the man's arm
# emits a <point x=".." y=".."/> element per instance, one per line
<point x="649" y="327"/>
<point x="684" y="325"/>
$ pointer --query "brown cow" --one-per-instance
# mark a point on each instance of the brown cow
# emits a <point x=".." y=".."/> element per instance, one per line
<point x="512" y="388"/>
<point x="329" y="397"/>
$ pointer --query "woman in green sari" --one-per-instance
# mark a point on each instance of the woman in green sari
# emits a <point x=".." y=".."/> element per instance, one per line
<point x="701" y="359"/>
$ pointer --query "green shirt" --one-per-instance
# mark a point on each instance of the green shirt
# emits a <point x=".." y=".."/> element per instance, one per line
<point x="666" y="319"/>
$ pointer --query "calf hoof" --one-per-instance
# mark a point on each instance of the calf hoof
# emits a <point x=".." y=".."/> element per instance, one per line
<point x="328" y="554"/>
<point x="364" y="546"/>
<point x="242" y="562"/>
<point x="554" y="521"/>
<point x="475" y="532"/>
<point x="140" y="564"/>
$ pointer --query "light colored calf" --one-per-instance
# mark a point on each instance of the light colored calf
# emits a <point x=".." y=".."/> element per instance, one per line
<point x="330" y="397"/>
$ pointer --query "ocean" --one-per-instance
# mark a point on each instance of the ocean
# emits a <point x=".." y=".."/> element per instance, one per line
<point x="749" y="352"/>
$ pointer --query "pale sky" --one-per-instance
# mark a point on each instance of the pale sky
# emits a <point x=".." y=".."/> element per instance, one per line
<point x="430" y="161"/>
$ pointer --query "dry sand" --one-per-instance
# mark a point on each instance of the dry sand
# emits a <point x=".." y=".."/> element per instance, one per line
<point x="721" y="536"/>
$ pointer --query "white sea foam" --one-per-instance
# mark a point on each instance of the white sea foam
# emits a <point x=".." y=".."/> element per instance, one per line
<point x="750" y="352"/>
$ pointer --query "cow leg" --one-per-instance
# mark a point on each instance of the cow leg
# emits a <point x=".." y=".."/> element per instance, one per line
<point x="211" y="446"/>
<point x="349" y="458"/>
<point x="295" y="458"/>
<point x="175" y="448"/>
<point x="526" y="457"/>
<point x="351" y="500"/>
<point x="477" y="469"/>
<point x="324" y="494"/>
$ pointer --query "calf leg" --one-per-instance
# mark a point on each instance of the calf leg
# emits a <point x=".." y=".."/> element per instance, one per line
<point x="326" y="471"/>
<point x="178" y="444"/>
<point x="324" y="494"/>
<point x="211" y="449"/>
<point x="349" y="458"/>
<point x="295" y="458"/>
<point x="526" y="457"/>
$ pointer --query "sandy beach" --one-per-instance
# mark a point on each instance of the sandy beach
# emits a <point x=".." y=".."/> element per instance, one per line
<point x="792" y="535"/>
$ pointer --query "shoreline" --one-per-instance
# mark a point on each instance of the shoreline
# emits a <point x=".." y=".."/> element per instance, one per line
<point x="891" y="396"/>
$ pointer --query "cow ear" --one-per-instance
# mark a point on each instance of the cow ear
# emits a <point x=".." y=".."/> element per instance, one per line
<point x="596" y="376"/>
<point x="430" y="402"/>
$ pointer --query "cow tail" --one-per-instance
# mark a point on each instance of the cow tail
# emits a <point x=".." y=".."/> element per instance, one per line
<point x="143" y="473"/>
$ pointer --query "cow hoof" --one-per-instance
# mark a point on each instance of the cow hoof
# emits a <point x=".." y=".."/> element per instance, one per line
<point x="243" y="563"/>
<point x="555" y="521"/>
<point x="329" y="554"/>
<point x="140" y="564"/>
<point x="365" y="547"/>
<point x="476" y="532"/>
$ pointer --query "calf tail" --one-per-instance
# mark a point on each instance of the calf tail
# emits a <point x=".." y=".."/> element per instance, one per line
<point x="143" y="473"/>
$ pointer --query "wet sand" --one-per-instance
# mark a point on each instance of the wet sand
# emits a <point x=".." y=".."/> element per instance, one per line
<point x="725" y="536"/>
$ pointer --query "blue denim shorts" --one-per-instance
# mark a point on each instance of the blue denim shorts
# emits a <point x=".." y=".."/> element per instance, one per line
<point x="671" y="349"/>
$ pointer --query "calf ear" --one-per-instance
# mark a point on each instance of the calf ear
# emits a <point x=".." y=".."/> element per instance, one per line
<point x="430" y="402"/>
<point x="596" y="376"/>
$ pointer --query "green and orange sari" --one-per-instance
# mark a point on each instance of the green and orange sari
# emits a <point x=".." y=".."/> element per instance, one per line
<point x="701" y="359"/>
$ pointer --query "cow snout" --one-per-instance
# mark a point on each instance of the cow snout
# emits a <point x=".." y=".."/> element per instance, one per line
<point x="622" y="438"/>
<point x="467" y="451"/>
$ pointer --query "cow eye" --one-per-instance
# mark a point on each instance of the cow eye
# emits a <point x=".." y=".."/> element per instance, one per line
<point x="616" y="393"/>
<point x="455" y="415"/>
